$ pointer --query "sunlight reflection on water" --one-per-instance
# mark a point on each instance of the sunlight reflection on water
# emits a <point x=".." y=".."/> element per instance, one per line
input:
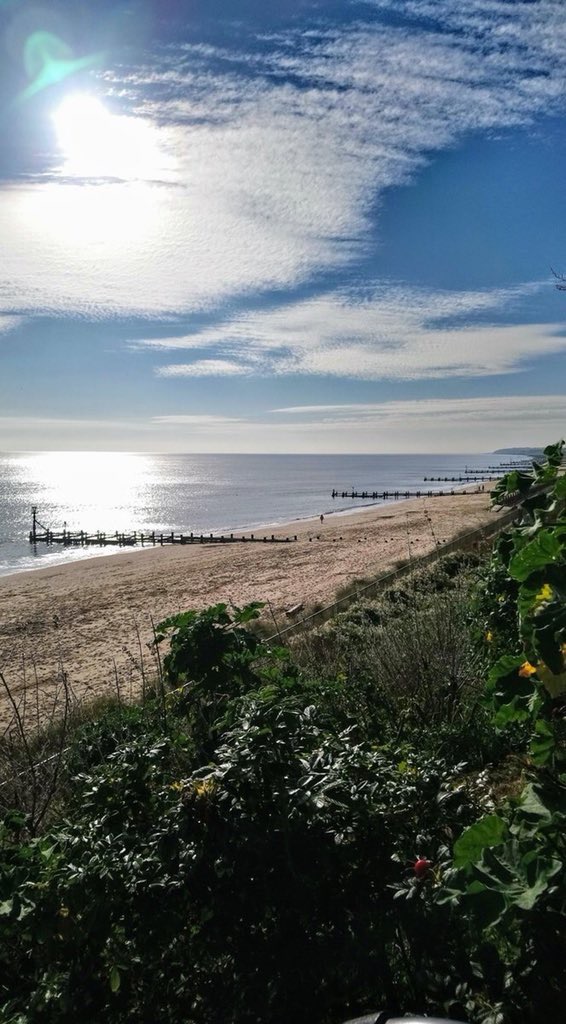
<point x="123" y="491"/>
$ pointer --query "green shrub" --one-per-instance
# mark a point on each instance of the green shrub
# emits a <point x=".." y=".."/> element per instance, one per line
<point x="226" y="892"/>
<point x="507" y="877"/>
<point x="242" y="846"/>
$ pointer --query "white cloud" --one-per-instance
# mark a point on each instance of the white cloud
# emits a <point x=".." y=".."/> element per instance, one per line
<point x="203" y="368"/>
<point x="452" y="411"/>
<point x="35" y="424"/>
<point x="9" y="323"/>
<point x="438" y="425"/>
<point x="195" y="420"/>
<point x="477" y="352"/>
<point x="424" y="425"/>
<point x="386" y="333"/>
<point x="279" y="167"/>
<point x="66" y="433"/>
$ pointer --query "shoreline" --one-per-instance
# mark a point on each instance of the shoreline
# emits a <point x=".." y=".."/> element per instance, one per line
<point x="92" y="618"/>
<point x="274" y="527"/>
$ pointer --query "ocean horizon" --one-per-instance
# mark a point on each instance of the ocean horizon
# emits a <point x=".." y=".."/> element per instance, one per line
<point x="216" y="493"/>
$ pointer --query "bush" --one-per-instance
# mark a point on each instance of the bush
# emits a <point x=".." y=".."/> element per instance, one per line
<point x="263" y="841"/>
<point x="227" y="891"/>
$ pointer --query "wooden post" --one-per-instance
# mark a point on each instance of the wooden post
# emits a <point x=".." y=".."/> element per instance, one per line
<point x="33" y="523"/>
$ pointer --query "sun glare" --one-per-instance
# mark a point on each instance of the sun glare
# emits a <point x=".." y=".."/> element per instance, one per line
<point x="98" y="144"/>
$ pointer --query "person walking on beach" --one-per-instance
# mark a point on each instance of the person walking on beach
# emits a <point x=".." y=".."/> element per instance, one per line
<point x="321" y="518"/>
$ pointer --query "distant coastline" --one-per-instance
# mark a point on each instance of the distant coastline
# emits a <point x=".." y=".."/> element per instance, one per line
<point x="518" y="451"/>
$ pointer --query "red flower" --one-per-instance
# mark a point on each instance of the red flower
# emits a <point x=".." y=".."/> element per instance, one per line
<point x="421" y="867"/>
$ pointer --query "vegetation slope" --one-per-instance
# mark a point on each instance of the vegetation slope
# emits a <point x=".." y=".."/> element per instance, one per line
<point x="372" y="817"/>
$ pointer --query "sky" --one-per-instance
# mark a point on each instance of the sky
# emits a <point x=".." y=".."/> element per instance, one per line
<point x="310" y="226"/>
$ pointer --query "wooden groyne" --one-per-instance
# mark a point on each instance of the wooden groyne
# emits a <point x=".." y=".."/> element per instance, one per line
<point x="84" y="539"/>
<point x="457" y="479"/>
<point x="40" y="534"/>
<point x="396" y="495"/>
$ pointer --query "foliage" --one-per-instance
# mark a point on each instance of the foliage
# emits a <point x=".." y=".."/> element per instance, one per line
<point x="412" y="663"/>
<point x="314" y="833"/>
<point x="508" y="869"/>
<point x="210" y="662"/>
<point x="172" y="893"/>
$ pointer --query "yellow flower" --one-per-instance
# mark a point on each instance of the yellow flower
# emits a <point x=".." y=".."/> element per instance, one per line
<point x="204" y="787"/>
<point x="489" y="636"/>
<point x="544" y="594"/>
<point x="526" y="670"/>
<point x="177" y="785"/>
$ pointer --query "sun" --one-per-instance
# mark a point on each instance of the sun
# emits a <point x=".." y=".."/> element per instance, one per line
<point x="107" y="187"/>
<point x="96" y="143"/>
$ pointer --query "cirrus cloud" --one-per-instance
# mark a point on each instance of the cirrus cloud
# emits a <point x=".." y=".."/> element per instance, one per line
<point x="384" y="333"/>
<point x="280" y="152"/>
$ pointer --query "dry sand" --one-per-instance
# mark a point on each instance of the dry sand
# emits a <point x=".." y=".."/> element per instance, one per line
<point x="93" y="619"/>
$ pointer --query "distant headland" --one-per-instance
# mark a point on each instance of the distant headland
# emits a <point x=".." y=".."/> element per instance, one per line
<point x="517" y="451"/>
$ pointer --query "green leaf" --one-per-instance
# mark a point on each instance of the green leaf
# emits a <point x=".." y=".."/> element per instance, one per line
<point x="14" y="820"/>
<point x="508" y="692"/>
<point x="488" y="831"/>
<point x="115" y="979"/>
<point x="504" y="670"/>
<point x="248" y="613"/>
<point x="553" y="453"/>
<point x="532" y="805"/>
<point x="542" y="743"/>
<point x="549" y="628"/>
<point x="517" y="710"/>
<point x="543" y="550"/>
<point x="560" y="487"/>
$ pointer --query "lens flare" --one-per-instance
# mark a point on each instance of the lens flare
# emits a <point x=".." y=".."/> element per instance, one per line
<point x="49" y="60"/>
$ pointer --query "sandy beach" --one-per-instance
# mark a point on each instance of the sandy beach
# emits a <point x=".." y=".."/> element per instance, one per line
<point x="92" y="619"/>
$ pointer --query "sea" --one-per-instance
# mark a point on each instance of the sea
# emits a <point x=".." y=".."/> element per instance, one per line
<point x="126" y="491"/>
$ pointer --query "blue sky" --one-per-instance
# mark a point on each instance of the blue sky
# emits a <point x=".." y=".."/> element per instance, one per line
<point x="310" y="226"/>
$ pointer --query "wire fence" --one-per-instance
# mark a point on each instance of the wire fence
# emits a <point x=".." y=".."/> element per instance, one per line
<point x="464" y="540"/>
